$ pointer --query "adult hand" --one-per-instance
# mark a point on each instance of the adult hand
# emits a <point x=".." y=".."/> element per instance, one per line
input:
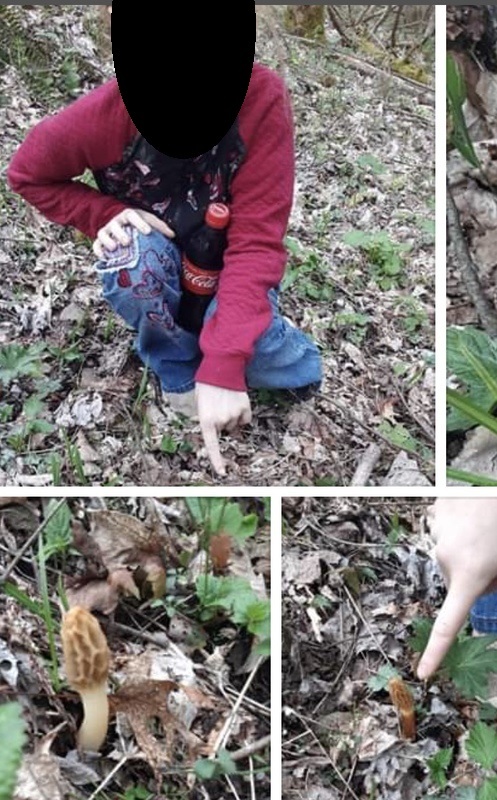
<point x="465" y="531"/>
<point x="115" y="232"/>
<point x="220" y="408"/>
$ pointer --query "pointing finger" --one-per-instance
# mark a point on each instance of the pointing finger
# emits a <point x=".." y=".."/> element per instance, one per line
<point x="211" y="442"/>
<point x="450" y="620"/>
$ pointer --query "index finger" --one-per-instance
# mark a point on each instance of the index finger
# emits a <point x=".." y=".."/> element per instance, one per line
<point x="448" y="623"/>
<point x="211" y="442"/>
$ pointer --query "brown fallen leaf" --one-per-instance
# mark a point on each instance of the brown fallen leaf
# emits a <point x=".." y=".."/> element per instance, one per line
<point x="146" y="701"/>
<point x="101" y="594"/>
<point x="118" y="541"/>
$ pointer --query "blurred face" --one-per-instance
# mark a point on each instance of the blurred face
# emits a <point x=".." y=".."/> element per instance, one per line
<point x="183" y="74"/>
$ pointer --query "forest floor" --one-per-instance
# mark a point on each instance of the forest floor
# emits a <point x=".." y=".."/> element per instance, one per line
<point x="360" y="591"/>
<point x="186" y="615"/>
<point x="77" y="407"/>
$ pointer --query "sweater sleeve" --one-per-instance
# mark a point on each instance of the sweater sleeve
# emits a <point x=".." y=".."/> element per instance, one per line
<point x="255" y="257"/>
<point x="90" y="133"/>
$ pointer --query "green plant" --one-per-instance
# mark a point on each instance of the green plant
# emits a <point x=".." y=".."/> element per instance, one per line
<point x="30" y="424"/>
<point x="469" y="662"/>
<point x="218" y="514"/>
<point x="456" y="98"/>
<point x="169" y="445"/>
<point x="75" y="460"/>
<point x="385" y="256"/>
<point x="136" y="793"/>
<point x="237" y="599"/>
<point x="57" y="534"/>
<point x="306" y="273"/>
<point x="20" y="361"/>
<point x="472" y="359"/>
<point x="379" y="681"/>
<point x="12" y="740"/>
<point x="412" y="314"/>
<point x="438" y="766"/>
<point x="400" y="437"/>
<point x="395" y="532"/>
<point x="210" y="768"/>
<point x="355" y="325"/>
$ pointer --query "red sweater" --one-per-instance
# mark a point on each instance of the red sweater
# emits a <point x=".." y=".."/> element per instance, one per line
<point x="93" y="132"/>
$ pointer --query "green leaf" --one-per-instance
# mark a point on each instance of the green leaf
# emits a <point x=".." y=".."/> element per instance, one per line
<point x="472" y="358"/>
<point x="438" y="765"/>
<point x="465" y="793"/>
<point x="368" y="160"/>
<point x="17" y="361"/>
<point x="472" y="412"/>
<point x="33" y="407"/>
<point x="207" y="768"/>
<point x="57" y="533"/>
<point x="379" y="682"/>
<point x="470" y="477"/>
<point x="357" y="238"/>
<point x="481" y="745"/>
<point x="488" y="790"/>
<point x="422" y="629"/>
<point x="399" y="436"/>
<point x="469" y="663"/>
<point x="168" y="445"/>
<point x="11" y="590"/>
<point x="456" y="96"/>
<point x="12" y="740"/>
<point x="256" y="616"/>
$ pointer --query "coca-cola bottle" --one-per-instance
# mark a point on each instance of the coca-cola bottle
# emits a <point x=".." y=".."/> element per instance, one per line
<point x="202" y="263"/>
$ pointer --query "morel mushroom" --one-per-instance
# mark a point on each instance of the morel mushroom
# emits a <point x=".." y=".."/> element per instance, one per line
<point x="86" y="657"/>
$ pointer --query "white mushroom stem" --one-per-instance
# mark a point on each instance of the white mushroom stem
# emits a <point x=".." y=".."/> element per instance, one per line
<point x="93" y="731"/>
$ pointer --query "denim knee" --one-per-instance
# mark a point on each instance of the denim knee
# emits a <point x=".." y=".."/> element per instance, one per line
<point x="142" y="277"/>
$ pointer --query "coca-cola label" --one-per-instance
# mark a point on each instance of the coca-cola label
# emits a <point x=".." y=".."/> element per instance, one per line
<point x="198" y="281"/>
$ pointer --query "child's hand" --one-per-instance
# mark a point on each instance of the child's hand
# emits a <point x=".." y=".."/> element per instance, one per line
<point x="466" y="536"/>
<point x="217" y="409"/>
<point x="115" y="233"/>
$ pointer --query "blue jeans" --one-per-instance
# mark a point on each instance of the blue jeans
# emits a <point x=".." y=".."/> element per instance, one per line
<point x="141" y="282"/>
<point x="484" y="614"/>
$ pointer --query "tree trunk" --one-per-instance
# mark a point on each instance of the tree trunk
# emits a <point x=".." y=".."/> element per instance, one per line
<point x="306" y="21"/>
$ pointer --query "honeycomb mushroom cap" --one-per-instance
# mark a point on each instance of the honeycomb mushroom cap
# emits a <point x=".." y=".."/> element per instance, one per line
<point x="86" y="656"/>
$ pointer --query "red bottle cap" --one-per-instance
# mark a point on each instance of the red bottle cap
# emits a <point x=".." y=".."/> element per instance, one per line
<point x="217" y="215"/>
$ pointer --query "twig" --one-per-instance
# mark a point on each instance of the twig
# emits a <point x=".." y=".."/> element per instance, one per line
<point x="252" y="780"/>
<point x="365" y="622"/>
<point x="232" y="787"/>
<point x="329" y="760"/>
<point x="370" y="69"/>
<point x="427" y="432"/>
<point x="393" y="39"/>
<point x="225" y="731"/>
<point x="30" y="540"/>
<point x="469" y="272"/>
<point x="382" y="19"/>
<point x="109" y="777"/>
<point x="428" y="33"/>
<point x="337" y="24"/>
<point x="157" y="639"/>
<point x="366" y="465"/>
<point x="250" y="749"/>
